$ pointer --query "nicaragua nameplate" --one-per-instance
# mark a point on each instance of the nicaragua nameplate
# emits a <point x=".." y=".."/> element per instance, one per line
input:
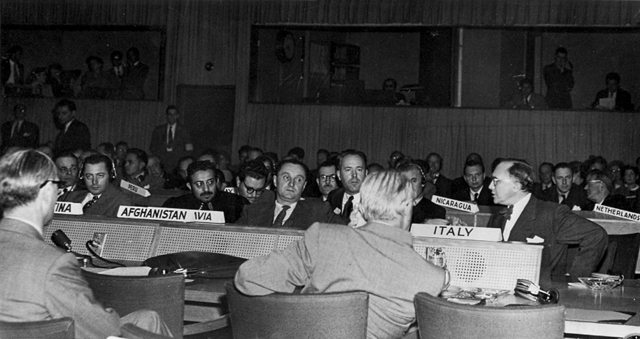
<point x="134" y="188"/>
<point x="170" y="214"/>
<point x="456" y="232"/>
<point x="71" y="208"/>
<point x="616" y="212"/>
<point x="455" y="204"/>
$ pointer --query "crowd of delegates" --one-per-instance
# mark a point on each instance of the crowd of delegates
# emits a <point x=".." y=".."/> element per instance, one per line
<point x="119" y="80"/>
<point x="378" y="202"/>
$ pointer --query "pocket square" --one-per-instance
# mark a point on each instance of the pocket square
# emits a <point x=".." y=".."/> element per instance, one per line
<point x="337" y="211"/>
<point x="535" y="240"/>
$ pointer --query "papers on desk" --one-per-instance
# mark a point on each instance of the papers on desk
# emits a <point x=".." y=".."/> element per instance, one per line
<point x="596" y="316"/>
<point x="135" y="271"/>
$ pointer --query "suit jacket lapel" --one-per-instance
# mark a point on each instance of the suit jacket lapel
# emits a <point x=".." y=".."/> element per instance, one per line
<point x="525" y="225"/>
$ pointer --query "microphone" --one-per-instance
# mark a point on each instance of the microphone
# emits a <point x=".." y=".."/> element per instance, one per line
<point x="61" y="240"/>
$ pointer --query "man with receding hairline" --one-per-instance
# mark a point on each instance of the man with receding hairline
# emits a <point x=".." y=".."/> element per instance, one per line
<point x="554" y="226"/>
<point x="352" y="169"/>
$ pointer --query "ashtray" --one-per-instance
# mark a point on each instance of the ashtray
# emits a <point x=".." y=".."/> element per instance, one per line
<point x="602" y="281"/>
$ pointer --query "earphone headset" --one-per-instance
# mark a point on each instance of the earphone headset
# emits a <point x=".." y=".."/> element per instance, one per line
<point x="105" y="159"/>
<point x="424" y="177"/>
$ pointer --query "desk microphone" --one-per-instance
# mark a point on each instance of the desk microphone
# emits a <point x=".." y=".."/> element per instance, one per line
<point x="61" y="240"/>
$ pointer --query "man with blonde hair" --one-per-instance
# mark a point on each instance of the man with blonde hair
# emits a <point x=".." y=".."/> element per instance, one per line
<point x="377" y="258"/>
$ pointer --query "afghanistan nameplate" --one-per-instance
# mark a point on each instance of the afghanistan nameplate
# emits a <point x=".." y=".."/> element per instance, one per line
<point x="170" y="214"/>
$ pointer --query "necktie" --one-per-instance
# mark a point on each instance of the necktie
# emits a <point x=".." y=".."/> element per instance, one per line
<point x="280" y="218"/>
<point x="475" y="197"/>
<point x="348" y="207"/>
<point x="506" y="213"/>
<point x="170" y="136"/>
<point x="562" y="198"/>
<point x="90" y="203"/>
<point x="207" y="206"/>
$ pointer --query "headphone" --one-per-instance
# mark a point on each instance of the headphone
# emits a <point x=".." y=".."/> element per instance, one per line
<point x="98" y="159"/>
<point x="424" y="177"/>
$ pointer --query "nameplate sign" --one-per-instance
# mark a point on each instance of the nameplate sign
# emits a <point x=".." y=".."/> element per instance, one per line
<point x="170" y="214"/>
<point x="616" y="212"/>
<point x="456" y="232"/>
<point x="134" y="188"/>
<point x="70" y="208"/>
<point x="455" y="204"/>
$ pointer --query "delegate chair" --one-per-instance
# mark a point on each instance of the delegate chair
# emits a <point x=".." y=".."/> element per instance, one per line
<point x="439" y="318"/>
<point x="125" y="294"/>
<point x="61" y="328"/>
<point x="622" y="255"/>
<point x="327" y="315"/>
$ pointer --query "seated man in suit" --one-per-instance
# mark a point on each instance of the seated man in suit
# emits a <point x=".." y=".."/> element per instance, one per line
<point x="67" y="164"/>
<point x="564" y="190"/>
<point x="544" y="223"/>
<point x="19" y="132"/>
<point x="545" y="174"/>
<point x="377" y="258"/>
<point x="286" y="209"/>
<point x="423" y="208"/>
<point x="39" y="281"/>
<point x="252" y="180"/>
<point x="613" y="98"/>
<point x="600" y="191"/>
<point x="101" y="197"/>
<point x="204" y="195"/>
<point x="327" y="179"/>
<point x="527" y="98"/>
<point x="352" y="169"/>
<point x="443" y="184"/>
<point x="477" y="190"/>
<point x="135" y="170"/>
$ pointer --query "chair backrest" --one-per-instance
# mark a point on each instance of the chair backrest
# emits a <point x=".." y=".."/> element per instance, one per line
<point x="622" y="255"/>
<point x="125" y="294"/>
<point x="439" y="318"/>
<point x="61" y="328"/>
<point x="330" y="315"/>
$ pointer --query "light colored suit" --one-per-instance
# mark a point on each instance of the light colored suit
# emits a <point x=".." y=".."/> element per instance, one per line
<point x="41" y="282"/>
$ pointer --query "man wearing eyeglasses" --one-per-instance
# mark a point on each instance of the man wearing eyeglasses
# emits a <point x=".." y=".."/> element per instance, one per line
<point x="554" y="226"/>
<point x="327" y="179"/>
<point x="204" y="194"/>
<point x="600" y="191"/>
<point x="252" y="180"/>
<point x="39" y="281"/>
<point x="287" y="209"/>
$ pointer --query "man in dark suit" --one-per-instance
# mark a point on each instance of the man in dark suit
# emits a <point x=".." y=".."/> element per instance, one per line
<point x="545" y="175"/>
<point x="40" y="281"/>
<point x="67" y="164"/>
<point x="204" y="193"/>
<point x="442" y="183"/>
<point x="19" y="132"/>
<point x="564" y="191"/>
<point x="135" y="76"/>
<point x="344" y="201"/>
<point x="286" y="209"/>
<point x="73" y="134"/>
<point x="171" y="141"/>
<point x="251" y="181"/>
<point x="423" y="208"/>
<point x="12" y="71"/>
<point x="545" y="223"/>
<point x="101" y="197"/>
<point x="477" y="190"/>
<point x="600" y="191"/>
<point x="614" y="97"/>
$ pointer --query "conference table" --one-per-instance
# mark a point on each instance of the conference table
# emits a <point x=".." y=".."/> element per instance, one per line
<point x="581" y="303"/>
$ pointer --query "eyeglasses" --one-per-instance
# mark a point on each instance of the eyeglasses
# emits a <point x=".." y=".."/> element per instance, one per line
<point x="60" y="183"/>
<point x="252" y="190"/>
<point x="495" y="181"/>
<point x="331" y="177"/>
